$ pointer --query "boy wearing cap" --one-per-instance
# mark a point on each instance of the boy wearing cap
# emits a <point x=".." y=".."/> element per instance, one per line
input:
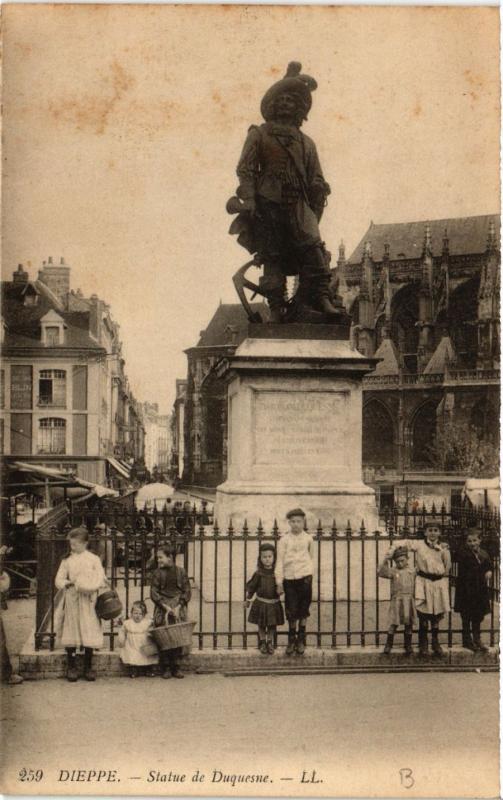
<point x="402" y="609"/>
<point x="294" y="578"/>
<point x="472" y="589"/>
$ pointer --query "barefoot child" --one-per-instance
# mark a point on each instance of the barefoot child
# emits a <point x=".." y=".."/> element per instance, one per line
<point x="80" y="575"/>
<point x="294" y="577"/>
<point x="170" y="592"/>
<point x="402" y="610"/>
<point x="266" y="611"/>
<point x="472" y="589"/>
<point x="133" y="636"/>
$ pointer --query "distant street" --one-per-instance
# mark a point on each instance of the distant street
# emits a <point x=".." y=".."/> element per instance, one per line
<point x="355" y="732"/>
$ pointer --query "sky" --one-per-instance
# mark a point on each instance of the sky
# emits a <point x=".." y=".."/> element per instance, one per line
<point x="123" y="125"/>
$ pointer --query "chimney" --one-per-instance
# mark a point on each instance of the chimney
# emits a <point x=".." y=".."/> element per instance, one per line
<point x="20" y="275"/>
<point x="95" y="312"/>
<point x="56" y="278"/>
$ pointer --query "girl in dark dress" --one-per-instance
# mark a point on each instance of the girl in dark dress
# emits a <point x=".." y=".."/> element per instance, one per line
<point x="472" y="589"/>
<point x="266" y="610"/>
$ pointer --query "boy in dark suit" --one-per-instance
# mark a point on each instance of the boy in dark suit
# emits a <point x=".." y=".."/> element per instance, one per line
<point x="472" y="589"/>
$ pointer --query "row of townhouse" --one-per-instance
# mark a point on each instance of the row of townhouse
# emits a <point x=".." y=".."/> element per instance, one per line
<point x="65" y="400"/>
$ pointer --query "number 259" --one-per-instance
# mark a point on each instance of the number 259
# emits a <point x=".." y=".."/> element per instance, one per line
<point x="31" y="775"/>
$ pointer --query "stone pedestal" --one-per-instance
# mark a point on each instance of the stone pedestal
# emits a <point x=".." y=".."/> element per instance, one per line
<point x="295" y="429"/>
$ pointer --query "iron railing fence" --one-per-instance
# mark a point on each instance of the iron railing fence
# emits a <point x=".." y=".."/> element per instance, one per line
<point x="411" y="518"/>
<point x="349" y="599"/>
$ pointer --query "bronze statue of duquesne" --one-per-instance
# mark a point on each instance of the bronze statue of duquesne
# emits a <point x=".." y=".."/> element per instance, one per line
<point x="279" y="203"/>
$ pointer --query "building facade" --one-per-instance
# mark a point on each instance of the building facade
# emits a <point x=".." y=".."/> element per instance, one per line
<point x="424" y="299"/>
<point x="205" y="400"/>
<point x="65" y="399"/>
<point x="157" y="439"/>
<point x="177" y="426"/>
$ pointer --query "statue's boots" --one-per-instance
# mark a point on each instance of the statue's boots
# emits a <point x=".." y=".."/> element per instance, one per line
<point x="314" y="283"/>
<point x="276" y="303"/>
<point x="322" y="295"/>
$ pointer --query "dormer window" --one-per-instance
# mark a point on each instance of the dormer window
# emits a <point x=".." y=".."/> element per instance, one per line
<point x="53" y="329"/>
<point x="52" y="336"/>
<point x="30" y="295"/>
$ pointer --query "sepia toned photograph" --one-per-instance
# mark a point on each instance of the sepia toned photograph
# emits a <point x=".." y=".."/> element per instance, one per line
<point x="250" y="401"/>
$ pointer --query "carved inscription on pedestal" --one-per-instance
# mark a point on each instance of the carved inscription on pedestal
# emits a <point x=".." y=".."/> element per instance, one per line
<point x="300" y="426"/>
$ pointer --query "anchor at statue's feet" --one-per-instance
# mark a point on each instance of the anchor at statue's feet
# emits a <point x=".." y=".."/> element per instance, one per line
<point x="279" y="203"/>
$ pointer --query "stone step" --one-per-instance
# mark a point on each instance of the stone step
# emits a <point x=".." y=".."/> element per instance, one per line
<point x="35" y="665"/>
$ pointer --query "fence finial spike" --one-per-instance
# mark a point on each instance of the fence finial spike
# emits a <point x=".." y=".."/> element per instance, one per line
<point x="245" y="527"/>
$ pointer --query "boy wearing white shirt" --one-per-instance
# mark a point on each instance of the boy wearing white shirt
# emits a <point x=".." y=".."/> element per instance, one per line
<point x="294" y="578"/>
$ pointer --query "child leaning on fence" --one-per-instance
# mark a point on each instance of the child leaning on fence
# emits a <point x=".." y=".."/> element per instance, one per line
<point x="134" y="638"/>
<point x="170" y="592"/>
<point x="402" y="610"/>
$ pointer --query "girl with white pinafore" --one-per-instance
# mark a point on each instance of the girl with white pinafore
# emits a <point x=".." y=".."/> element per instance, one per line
<point x="79" y="576"/>
<point x="134" y="638"/>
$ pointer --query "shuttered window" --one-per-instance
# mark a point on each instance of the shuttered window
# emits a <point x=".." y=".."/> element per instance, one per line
<point x="52" y="435"/>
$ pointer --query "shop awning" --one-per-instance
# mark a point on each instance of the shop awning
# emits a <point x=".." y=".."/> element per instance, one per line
<point x="119" y="467"/>
<point x="59" y="480"/>
<point x="483" y="492"/>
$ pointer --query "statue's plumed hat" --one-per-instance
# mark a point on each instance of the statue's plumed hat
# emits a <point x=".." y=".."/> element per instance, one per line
<point x="293" y="83"/>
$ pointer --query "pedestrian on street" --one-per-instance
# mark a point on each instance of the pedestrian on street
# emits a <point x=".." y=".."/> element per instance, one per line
<point x="133" y="637"/>
<point x="170" y="592"/>
<point x="266" y="611"/>
<point x="79" y="576"/>
<point x="7" y="672"/>
<point x="433" y="565"/>
<point x="402" y="610"/>
<point x="294" y="577"/>
<point x="472" y="588"/>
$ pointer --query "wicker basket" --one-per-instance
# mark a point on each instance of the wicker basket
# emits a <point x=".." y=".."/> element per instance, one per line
<point x="168" y="637"/>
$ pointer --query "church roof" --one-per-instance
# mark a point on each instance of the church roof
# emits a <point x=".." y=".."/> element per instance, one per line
<point x="229" y="316"/>
<point x="389" y="364"/>
<point x="443" y="356"/>
<point x="467" y="235"/>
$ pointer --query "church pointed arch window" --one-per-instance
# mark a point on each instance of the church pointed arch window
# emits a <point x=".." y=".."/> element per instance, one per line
<point x="423" y="430"/>
<point x="378" y="435"/>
